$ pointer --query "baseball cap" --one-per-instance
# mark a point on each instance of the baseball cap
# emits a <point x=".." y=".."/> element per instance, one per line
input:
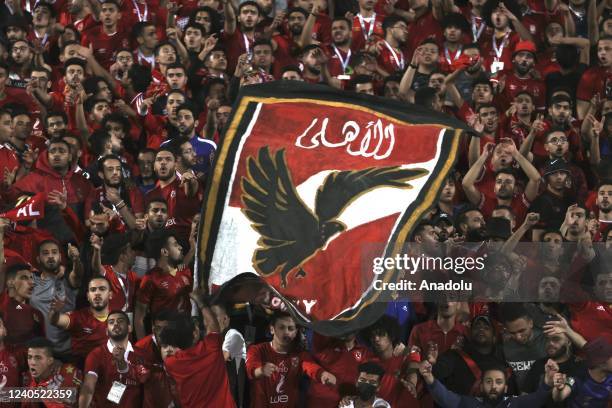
<point x="525" y="45"/>
<point x="597" y="351"/>
<point x="483" y="318"/>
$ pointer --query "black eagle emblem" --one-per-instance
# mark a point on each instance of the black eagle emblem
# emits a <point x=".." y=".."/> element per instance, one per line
<point x="290" y="233"/>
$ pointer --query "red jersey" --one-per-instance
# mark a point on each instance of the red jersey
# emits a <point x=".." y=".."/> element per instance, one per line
<point x="8" y="159"/>
<point x="159" y="390"/>
<point x="160" y="290"/>
<point x="123" y="288"/>
<point x="101" y="364"/>
<point x="12" y="364"/>
<point x="200" y="374"/>
<point x="595" y="80"/>
<point x="339" y="62"/>
<point x="519" y="205"/>
<point x="286" y="53"/>
<point x="425" y="334"/>
<point x="391" y="59"/>
<point x="391" y="389"/>
<point x="424" y="27"/>
<point x="86" y="332"/>
<point x="592" y="319"/>
<point x="104" y="45"/>
<point x="181" y="208"/>
<point x="514" y="85"/>
<point x="235" y="45"/>
<point x="62" y="376"/>
<point x="367" y="29"/>
<point x="65" y="18"/>
<point x="22" y="321"/>
<point x="495" y="49"/>
<point x="282" y="388"/>
<point x="344" y="365"/>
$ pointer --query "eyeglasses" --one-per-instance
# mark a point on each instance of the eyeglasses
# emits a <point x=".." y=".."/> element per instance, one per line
<point x="557" y="140"/>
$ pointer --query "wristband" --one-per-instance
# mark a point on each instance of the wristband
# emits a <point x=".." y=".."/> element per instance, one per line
<point x="413" y="66"/>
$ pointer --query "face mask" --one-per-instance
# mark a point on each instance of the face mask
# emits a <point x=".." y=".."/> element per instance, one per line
<point x="366" y="391"/>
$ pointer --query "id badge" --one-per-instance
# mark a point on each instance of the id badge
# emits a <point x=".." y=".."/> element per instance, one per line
<point x="344" y="77"/>
<point x="131" y="317"/>
<point x="116" y="392"/>
<point x="497" y="66"/>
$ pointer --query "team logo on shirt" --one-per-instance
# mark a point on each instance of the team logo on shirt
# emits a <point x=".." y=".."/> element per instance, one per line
<point x="87" y="330"/>
<point x="295" y="362"/>
<point x="357" y="355"/>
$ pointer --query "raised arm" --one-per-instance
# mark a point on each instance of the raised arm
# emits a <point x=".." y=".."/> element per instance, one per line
<point x="516" y="23"/>
<point x="473" y="195"/>
<point x="531" y="190"/>
<point x="230" y="18"/>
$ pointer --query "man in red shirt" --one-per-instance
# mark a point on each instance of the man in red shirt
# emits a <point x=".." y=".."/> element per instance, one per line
<point x="113" y="371"/>
<point x="275" y="368"/>
<point x="11" y="358"/>
<point x="339" y="51"/>
<point x="521" y="78"/>
<point x="50" y="374"/>
<point x="367" y="25"/>
<point x="593" y="319"/>
<point x="197" y="366"/>
<point x="182" y="193"/>
<point x="504" y="191"/>
<point x="21" y="320"/>
<point x="108" y="37"/>
<point x="596" y="80"/>
<point x="166" y="286"/>
<point x="87" y="326"/>
<point x="239" y="38"/>
<point x="391" y="58"/>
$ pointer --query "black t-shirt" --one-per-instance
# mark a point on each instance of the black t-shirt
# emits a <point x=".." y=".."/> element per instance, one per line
<point x="535" y="376"/>
<point x="551" y="208"/>
<point x="569" y="81"/>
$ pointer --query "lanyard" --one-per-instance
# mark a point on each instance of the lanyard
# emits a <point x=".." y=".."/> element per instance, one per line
<point x="448" y="57"/>
<point x="125" y="287"/>
<point x="500" y="50"/>
<point x="476" y="32"/>
<point x="44" y="39"/>
<point x="371" y="21"/>
<point x="399" y="61"/>
<point x="150" y="60"/>
<point x="145" y="14"/>
<point x="247" y="43"/>
<point x="343" y="62"/>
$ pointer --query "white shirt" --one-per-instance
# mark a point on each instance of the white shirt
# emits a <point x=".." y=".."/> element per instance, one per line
<point x="234" y="344"/>
<point x="378" y="403"/>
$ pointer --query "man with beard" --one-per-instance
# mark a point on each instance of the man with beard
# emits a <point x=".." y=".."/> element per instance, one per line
<point x="113" y="371"/>
<point x="524" y="343"/>
<point x="486" y="121"/>
<point x="183" y="193"/>
<point x="558" y="349"/>
<point x="521" y="78"/>
<point x="595" y="79"/>
<point x="87" y="326"/>
<point x="340" y="356"/>
<point x="78" y="14"/>
<point x="114" y="259"/>
<point x="367" y="385"/>
<point x="107" y="37"/>
<point x="460" y="370"/>
<point x="493" y="390"/>
<point x="574" y="226"/>
<point x="45" y="371"/>
<point x="391" y="58"/>
<point x="593" y="318"/>
<point x="275" y="368"/>
<point x="604" y="205"/>
<point x="339" y="51"/>
<point x="22" y="321"/>
<point x="21" y="60"/>
<point x="155" y="218"/>
<point x="367" y="25"/>
<point x="552" y="204"/>
<point x="504" y="191"/>
<point x="286" y="46"/>
<point x="204" y="149"/>
<point x="168" y="284"/>
<point x="113" y="193"/>
<point x="471" y="225"/>
<point x="53" y="281"/>
<point x="239" y="38"/>
<point x="146" y="180"/>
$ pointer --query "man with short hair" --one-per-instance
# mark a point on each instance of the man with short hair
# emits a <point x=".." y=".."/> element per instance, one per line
<point x="524" y="343"/>
<point x="595" y="79"/>
<point x="22" y="320"/>
<point x="113" y="371"/>
<point x="204" y="148"/>
<point x="391" y="58"/>
<point x="239" y="38"/>
<point x="166" y="286"/>
<point x="275" y="368"/>
<point x="87" y="326"/>
<point x="45" y="371"/>
<point x="368" y="384"/>
<point x="107" y="37"/>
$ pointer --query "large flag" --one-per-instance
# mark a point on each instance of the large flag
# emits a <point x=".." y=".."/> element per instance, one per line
<point x="310" y="185"/>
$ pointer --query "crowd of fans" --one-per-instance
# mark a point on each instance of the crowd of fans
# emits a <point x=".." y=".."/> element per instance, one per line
<point x="110" y="115"/>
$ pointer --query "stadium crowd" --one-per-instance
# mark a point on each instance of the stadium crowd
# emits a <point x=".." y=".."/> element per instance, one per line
<point x="110" y="115"/>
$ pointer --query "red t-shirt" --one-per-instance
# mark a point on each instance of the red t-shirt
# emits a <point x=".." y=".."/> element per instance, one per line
<point x="337" y="58"/>
<point x="391" y="389"/>
<point x="286" y="53"/>
<point x="65" y="18"/>
<point x="120" y="286"/>
<point x="62" y="376"/>
<point x="514" y="85"/>
<point x="101" y="364"/>
<point x="592" y="319"/>
<point x="344" y="365"/>
<point x="595" y="80"/>
<point x="22" y="321"/>
<point x="391" y="59"/>
<point x="181" y="208"/>
<point x="505" y="47"/>
<point x="8" y="159"/>
<point x="519" y="205"/>
<point x="104" y="45"/>
<point x="282" y="388"/>
<point x="360" y="34"/>
<point x="86" y="331"/>
<point x="12" y="364"/>
<point x="427" y="333"/>
<point x="136" y="203"/>
<point x="423" y="28"/>
<point x="159" y="390"/>
<point x="200" y="374"/>
<point x="160" y="290"/>
<point x="236" y="44"/>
